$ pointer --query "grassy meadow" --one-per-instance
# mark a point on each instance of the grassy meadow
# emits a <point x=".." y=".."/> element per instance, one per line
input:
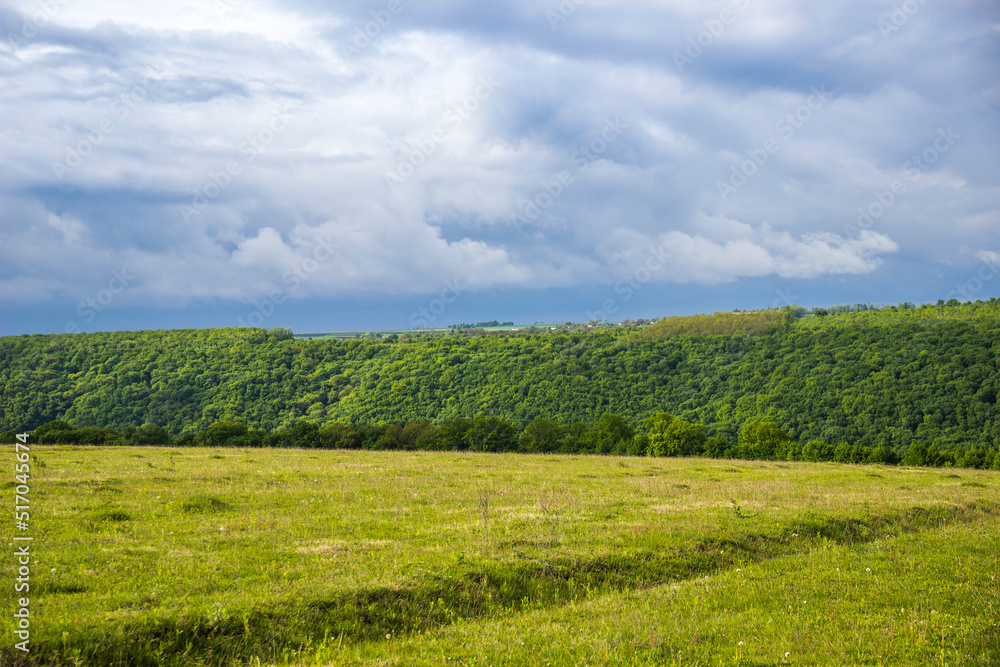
<point x="174" y="556"/>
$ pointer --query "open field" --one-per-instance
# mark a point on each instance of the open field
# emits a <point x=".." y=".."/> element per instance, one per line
<point x="149" y="556"/>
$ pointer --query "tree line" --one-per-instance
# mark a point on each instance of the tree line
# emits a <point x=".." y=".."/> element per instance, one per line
<point x="875" y="378"/>
<point x="662" y="434"/>
<point x="481" y="325"/>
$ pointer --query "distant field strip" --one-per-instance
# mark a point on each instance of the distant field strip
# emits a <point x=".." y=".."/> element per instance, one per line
<point x="220" y="557"/>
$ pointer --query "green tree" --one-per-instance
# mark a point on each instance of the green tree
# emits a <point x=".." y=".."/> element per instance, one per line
<point x="221" y="434"/>
<point x="817" y="450"/>
<point x="491" y="434"/>
<point x="56" y="431"/>
<point x="541" y="435"/>
<point x="916" y="455"/>
<point x="846" y="453"/>
<point x="760" y="440"/>
<point x="368" y="435"/>
<point x="150" y="434"/>
<point x="669" y="436"/>
<point x="393" y="438"/>
<point x="337" y="436"/>
<point x="575" y="438"/>
<point x="884" y="454"/>
<point x="610" y="435"/>
<point x="454" y="434"/>
<point x="305" y="434"/>
<point x="424" y="435"/>
<point x="638" y="446"/>
<point x="717" y="448"/>
<point x="656" y="429"/>
<point x="95" y="435"/>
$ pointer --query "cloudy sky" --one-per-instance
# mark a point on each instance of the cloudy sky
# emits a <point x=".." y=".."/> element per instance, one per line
<point x="396" y="163"/>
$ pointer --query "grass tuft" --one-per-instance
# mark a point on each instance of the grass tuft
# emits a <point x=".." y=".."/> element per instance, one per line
<point x="204" y="504"/>
<point x="114" y="515"/>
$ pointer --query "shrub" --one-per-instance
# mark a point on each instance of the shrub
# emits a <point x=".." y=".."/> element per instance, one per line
<point x="760" y="440"/>
<point x="673" y="437"/>
<point x="220" y="434"/>
<point x="541" y="435"/>
<point x="609" y="435"/>
<point x="491" y="434"/>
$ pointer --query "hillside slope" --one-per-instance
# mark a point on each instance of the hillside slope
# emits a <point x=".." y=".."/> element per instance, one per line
<point x="887" y="376"/>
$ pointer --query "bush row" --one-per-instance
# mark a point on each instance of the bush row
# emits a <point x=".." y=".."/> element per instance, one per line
<point x="662" y="435"/>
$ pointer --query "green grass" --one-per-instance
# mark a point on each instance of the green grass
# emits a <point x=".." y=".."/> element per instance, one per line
<point x="224" y="557"/>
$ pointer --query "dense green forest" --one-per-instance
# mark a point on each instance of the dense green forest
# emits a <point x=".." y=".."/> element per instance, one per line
<point x="878" y="378"/>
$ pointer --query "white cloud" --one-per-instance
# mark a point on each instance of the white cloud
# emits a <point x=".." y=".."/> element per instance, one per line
<point x="255" y="17"/>
<point x="356" y="118"/>
<point x="686" y="258"/>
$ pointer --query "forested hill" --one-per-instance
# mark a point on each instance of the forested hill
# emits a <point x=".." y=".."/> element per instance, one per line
<point x="888" y="376"/>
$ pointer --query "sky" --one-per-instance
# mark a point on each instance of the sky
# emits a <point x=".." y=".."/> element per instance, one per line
<point x="393" y="164"/>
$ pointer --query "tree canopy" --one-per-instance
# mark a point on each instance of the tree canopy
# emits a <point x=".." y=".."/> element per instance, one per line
<point x="881" y="378"/>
